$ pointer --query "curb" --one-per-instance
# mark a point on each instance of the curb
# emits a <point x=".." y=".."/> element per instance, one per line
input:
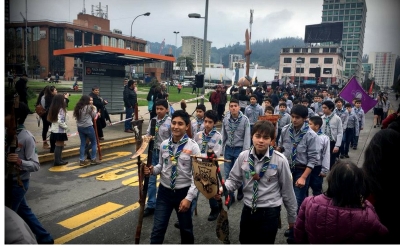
<point x="75" y="151"/>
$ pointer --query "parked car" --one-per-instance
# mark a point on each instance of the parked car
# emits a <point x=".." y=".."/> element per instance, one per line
<point x="187" y="84"/>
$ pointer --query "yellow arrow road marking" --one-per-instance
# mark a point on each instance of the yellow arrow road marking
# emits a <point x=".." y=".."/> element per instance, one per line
<point x="96" y="172"/>
<point x="89" y="227"/>
<point x="134" y="181"/>
<point x="113" y="175"/>
<point x="90" y="215"/>
<point x="71" y="166"/>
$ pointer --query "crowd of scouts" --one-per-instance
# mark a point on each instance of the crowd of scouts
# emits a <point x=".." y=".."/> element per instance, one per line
<point x="310" y="139"/>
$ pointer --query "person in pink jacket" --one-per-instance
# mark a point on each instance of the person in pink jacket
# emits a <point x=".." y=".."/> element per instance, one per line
<point x="341" y="215"/>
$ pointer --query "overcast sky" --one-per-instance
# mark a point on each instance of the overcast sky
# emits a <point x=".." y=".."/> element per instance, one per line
<point x="227" y="19"/>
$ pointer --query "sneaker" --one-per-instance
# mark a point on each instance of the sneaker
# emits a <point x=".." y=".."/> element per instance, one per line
<point x="82" y="163"/>
<point x="287" y="233"/>
<point x="374" y="126"/>
<point x="128" y="131"/>
<point x="347" y="156"/>
<point x="148" y="212"/>
<point x="94" y="162"/>
<point x="176" y="225"/>
<point x="354" y="148"/>
<point x="101" y="138"/>
<point x="342" y="156"/>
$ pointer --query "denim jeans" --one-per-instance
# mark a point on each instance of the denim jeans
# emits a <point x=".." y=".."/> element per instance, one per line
<point x="128" y="114"/>
<point x="83" y="134"/>
<point x="20" y="206"/>
<point x="259" y="227"/>
<point x="347" y="138"/>
<point x="231" y="153"/>
<point x="168" y="200"/>
<point x="300" y="193"/>
<point x="213" y="203"/>
<point x="316" y="181"/>
<point x="152" y="188"/>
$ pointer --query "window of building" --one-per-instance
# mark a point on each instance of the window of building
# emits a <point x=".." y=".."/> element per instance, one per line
<point x="121" y="43"/>
<point x="56" y="41"/>
<point x="287" y="60"/>
<point x="314" y="50"/>
<point x="330" y="12"/>
<point x="296" y="50"/>
<point x="314" y="60"/>
<point x="353" y="11"/>
<point x="287" y="69"/>
<point x="285" y="50"/>
<point x="325" y="50"/>
<point x="354" y="54"/>
<point x="327" y="71"/>
<point x="113" y="42"/>
<point x="341" y="18"/>
<point x="301" y="59"/>
<point x="342" y="6"/>
<point x="333" y="50"/>
<point x="328" y="60"/>
<point x="335" y="18"/>
<point x="347" y="12"/>
<point x="304" y="50"/>
<point x="348" y="53"/>
<point x="87" y="38"/>
<point x="352" y="18"/>
<point x="105" y="41"/>
<point x="299" y="70"/>
<point x="346" y="18"/>
<point x="360" y="5"/>
<point x="324" y="19"/>
<point x="353" y="5"/>
<point x="347" y="6"/>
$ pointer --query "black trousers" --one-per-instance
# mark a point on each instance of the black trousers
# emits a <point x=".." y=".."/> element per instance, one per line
<point x="221" y="111"/>
<point x="260" y="227"/>
<point x="333" y="155"/>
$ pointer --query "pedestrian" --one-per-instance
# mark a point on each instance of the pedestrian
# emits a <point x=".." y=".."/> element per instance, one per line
<point x="46" y="101"/>
<point x="208" y="139"/>
<point x="215" y="98"/>
<point x="84" y="113"/>
<point x="289" y="103"/>
<point x="253" y="111"/>
<point x="391" y="118"/>
<point x="361" y="120"/>
<point x="299" y="143"/>
<point x="58" y="117"/>
<point x="284" y="119"/>
<point x="332" y="127"/>
<point x="340" y="111"/>
<point x="305" y="103"/>
<point x="179" y="88"/>
<point x="269" y="110"/>
<point x="100" y="103"/>
<point x="352" y="129"/>
<point x="281" y="100"/>
<point x="320" y="171"/>
<point x="378" y="110"/>
<point x="223" y="99"/>
<point x="385" y="108"/>
<point x="20" y="165"/>
<point x="16" y="230"/>
<point x="162" y="133"/>
<point x="267" y="184"/>
<point x="382" y="178"/>
<point x="22" y="89"/>
<point x="317" y="105"/>
<point x="57" y="78"/>
<point x="341" y="215"/>
<point x="197" y="124"/>
<point x="243" y="99"/>
<point x="10" y="79"/>
<point x="130" y="101"/>
<point x="177" y="188"/>
<point x="194" y="86"/>
<point x="268" y="102"/>
<point x="158" y="94"/>
<point x="149" y="99"/>
<point x="235" y="131"/>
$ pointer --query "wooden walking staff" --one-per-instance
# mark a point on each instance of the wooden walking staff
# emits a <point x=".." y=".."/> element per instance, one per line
<point x="97" y="136"/>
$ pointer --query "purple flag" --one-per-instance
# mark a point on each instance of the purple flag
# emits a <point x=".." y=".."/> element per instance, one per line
<point x="354" y="90"/>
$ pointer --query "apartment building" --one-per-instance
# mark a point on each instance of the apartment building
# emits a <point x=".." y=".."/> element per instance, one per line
<point x="193" y="47"/>
<point x="384" y="66"/>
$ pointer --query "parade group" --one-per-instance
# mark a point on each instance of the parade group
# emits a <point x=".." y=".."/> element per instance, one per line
<point x="269" y="166"/>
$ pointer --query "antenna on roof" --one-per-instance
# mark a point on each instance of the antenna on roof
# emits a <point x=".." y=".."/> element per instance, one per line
<point x="84" y="9"/>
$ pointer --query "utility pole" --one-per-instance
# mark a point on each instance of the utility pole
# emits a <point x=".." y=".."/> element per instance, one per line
<point x="25" y="18"/>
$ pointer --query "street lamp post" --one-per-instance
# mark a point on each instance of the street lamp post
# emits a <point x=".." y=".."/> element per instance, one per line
<point x="145" y="14"/>
<point x="176" y="44"/>
<point x="328" y="84"/>
<point x="203" y="67"/>
<point x="299" y="61"/>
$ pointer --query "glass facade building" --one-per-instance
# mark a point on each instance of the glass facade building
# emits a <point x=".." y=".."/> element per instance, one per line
<point x="353" y="14"/>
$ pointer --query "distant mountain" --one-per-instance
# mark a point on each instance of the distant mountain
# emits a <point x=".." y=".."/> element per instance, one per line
<point x="264" y="53"/>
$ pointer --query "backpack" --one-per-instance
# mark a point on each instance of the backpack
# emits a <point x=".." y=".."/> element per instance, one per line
<point x="40" y="110"/>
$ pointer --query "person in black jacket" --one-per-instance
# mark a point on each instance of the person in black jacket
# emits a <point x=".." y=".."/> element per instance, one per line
<point x="100" y="105"/>
<point x="130" y="101"/>
<point x="22" y="89"/>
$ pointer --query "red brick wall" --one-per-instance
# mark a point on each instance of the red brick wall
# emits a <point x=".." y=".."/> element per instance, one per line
<point x="69" y="61"/>
<point x="44" y="53"/>
<point x="93" y="20"/>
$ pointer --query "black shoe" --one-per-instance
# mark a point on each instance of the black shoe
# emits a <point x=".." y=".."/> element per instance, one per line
<point x="213" y="214"/>
<point x="148" y="211"/>
<point x="176" y="224"/>
<point x="342" y="156"/>
<point x="354" y="148"/>
<point x="374" y="126"/>
<point x="232" y="199"/>
<point x="347" y="156"/>
<point x="287" y="233"/>
<point x="240" y="194"/>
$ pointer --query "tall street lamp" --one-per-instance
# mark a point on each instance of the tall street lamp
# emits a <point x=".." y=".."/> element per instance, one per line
<point x="203" y="67"/>
<point x="145" y="14"/>
<point x="327" y="71"/>
<point x="176" y="44"/>
<point x="299" y="61"/>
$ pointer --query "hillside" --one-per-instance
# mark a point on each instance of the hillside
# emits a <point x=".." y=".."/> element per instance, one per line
<point x="265" y="52"/>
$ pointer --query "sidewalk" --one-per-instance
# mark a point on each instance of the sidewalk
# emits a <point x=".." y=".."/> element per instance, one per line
<point x="114" y="135"/>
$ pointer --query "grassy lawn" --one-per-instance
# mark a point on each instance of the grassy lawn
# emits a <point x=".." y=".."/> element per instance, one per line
<point x="186" y="93"/>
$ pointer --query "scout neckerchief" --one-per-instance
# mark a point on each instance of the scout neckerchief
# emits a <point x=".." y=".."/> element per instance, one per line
<point x="357" y="110"/>
<point x="281" y="115"/>
<point x="233" y="124"/>
<point x="319" y="132"/>
<point x="340" y="112"/>
<point x="328" y="131"/>
<point x="295" y="141"/>
<point x="206" y="138"/>
<point x="257" y="177"/>
<point x="158" y="125"/>
<point x="253" y="109"/>
<point x="174" y="158"/>
<point x="199" y="123"/>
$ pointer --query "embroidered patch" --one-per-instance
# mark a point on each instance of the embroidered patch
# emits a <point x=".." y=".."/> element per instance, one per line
<point x="213" y="141"/>
<point x="247" y="174"/>
<point x="220" y="142"/>
<point x="187" y="151"/>
<point x="272" y="166"/>
<point x="165" y="146"/>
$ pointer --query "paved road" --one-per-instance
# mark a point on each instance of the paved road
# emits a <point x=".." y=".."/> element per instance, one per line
<point x="98" y="204"/>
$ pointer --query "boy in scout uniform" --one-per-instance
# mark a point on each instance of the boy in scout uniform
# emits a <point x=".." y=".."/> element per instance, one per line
<point x="177" y="189"/>
<point x="163" y="132"/>
<point x="267" y="184"/>
<point x="197" y="124"/>
<point x="235" y="130"/>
